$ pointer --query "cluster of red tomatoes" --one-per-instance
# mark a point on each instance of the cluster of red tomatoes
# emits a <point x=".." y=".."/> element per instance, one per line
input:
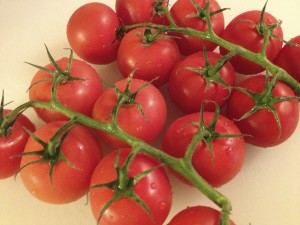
<point x="61" y="168"/>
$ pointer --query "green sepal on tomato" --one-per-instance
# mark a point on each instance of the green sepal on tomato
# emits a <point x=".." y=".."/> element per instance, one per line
<point x="197" y="78"/>
<point x="13" y="138"/>
<point x="58" y="169"/>
<point x="249" y="30"/>
<point x="78" y="89"/>
<point x="218" y="156"/>
<point x="151" y="54"/>
<point x="265" y="109"/>
<point x="142" y="114"/>
<point x="142" y="196"/>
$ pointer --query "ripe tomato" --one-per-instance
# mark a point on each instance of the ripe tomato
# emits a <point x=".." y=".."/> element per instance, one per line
<point x="216" y="168"/>
<point x="91" y="32"/>
<point x="243" y="31"/>
<point x="70" y="181"/>
<point x="145" y="125"/>
<point x="13" y="144"/>
<point x="188" y="89"/>
<point x="287" y="58"/>
<point x="78" y="95"/>
<point x="133" y="12"/>
<point x="201" y="215"/>
<point x="261" y="126"/>
<point x="152" y="60"/>
<point x="181" y="12"/>
<point x="154" y="190"/>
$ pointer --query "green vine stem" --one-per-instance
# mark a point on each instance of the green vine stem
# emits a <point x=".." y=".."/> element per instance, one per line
<point x="259" y="58"/>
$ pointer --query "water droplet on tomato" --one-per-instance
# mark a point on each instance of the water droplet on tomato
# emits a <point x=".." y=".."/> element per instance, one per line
<point x="158" y="65"/>
<point x="153" y="185"/>
<point x="162" y="205"/>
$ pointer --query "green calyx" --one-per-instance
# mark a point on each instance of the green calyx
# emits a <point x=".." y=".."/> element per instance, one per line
<point x="51" y="151"/>
<point x="206" y="133"/>
<point x="211" y="72"/>
<point x="62" y="76"/>
<point x="123" y="186"/>
<point x="265" y="100"/>
<point x="7" y="122"/>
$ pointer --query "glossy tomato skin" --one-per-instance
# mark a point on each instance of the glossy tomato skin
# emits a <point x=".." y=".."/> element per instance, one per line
<point x="288" y="58"/>
<point x="261" y="126"/>
<point x="181" y="11"/>
<point x="154" y="189"/>
<point x="153" y="60"/>
<point x="79" y="95"/>
<point x="133" y="12"/>
<point x="229" y="153"/>
<point x="91" y="32"/>
<point x="70" y="182"/>
<point x="242" y="31"/>
<point x="201" y="215"/>
<point x="188" y="89"/>
<point x="14" y="144"/>
<point x="146" y="127"/>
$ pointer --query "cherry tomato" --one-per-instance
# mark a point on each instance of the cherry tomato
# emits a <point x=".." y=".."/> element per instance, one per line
<point x="78" y="95"/>
<point x="201" y="215"/>
<point x="71" y="179"/>
<point x="154" y="190"/>
<point x="184" y="14"/>
<point x="217" y="167"/>
<point x="243" y="31"/>
<point x="145" y="124"/>
<point x="287" y="58"/>
<point x="91" y="32"/>
<point x="151" y="60"/>
<point x="188" y="89"/>
<point x="261" y="126"/>
<point x="133" y="12"/>
<point x="14" y="144"/>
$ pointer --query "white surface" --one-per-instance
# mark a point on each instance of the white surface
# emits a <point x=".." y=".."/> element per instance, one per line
<point x="266" y="192"/>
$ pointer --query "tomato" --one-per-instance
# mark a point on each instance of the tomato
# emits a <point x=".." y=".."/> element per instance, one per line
<point x="70" y="180"/>
<point x="13" y="144"/>
<point x="133" y="12"/>
<point x="154" y="190"/>
<point x="145" y="124"/>
<point x="287" y="58"/>
<point x="226" y="159"/>
<point x="181" y="12"/>
<point x="152" y="60"/>
<point x="91" y="32"/>
<point x="201" y="215"/>
<point x="261" y="126"/>
<point x="243" y="31"/>
<point x="189" y="89"/>
<point x="79" y="95"/>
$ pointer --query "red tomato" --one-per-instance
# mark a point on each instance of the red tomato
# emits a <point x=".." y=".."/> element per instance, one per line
<point x="153" y="60"/>
<point x="228" y="153"/>
<point x="79" y="95"/>
<point x="288" y="58"/>
<point x="195" y="215"/>
<point x="133" y="12"/>
<point x="188" y="89"/>
<point x="146" y="127"/>
<point x="91" y="33"/>
<point x="154" y="190"/>
<point x="69" y="182"/>
<point x="242" y="30"/>
<point x="181" y="12"/>
<point x="261" y="126"/>
<point x="13" y="144"/>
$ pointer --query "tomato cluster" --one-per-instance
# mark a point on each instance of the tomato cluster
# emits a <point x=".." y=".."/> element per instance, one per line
<point x="62" y="160"/>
